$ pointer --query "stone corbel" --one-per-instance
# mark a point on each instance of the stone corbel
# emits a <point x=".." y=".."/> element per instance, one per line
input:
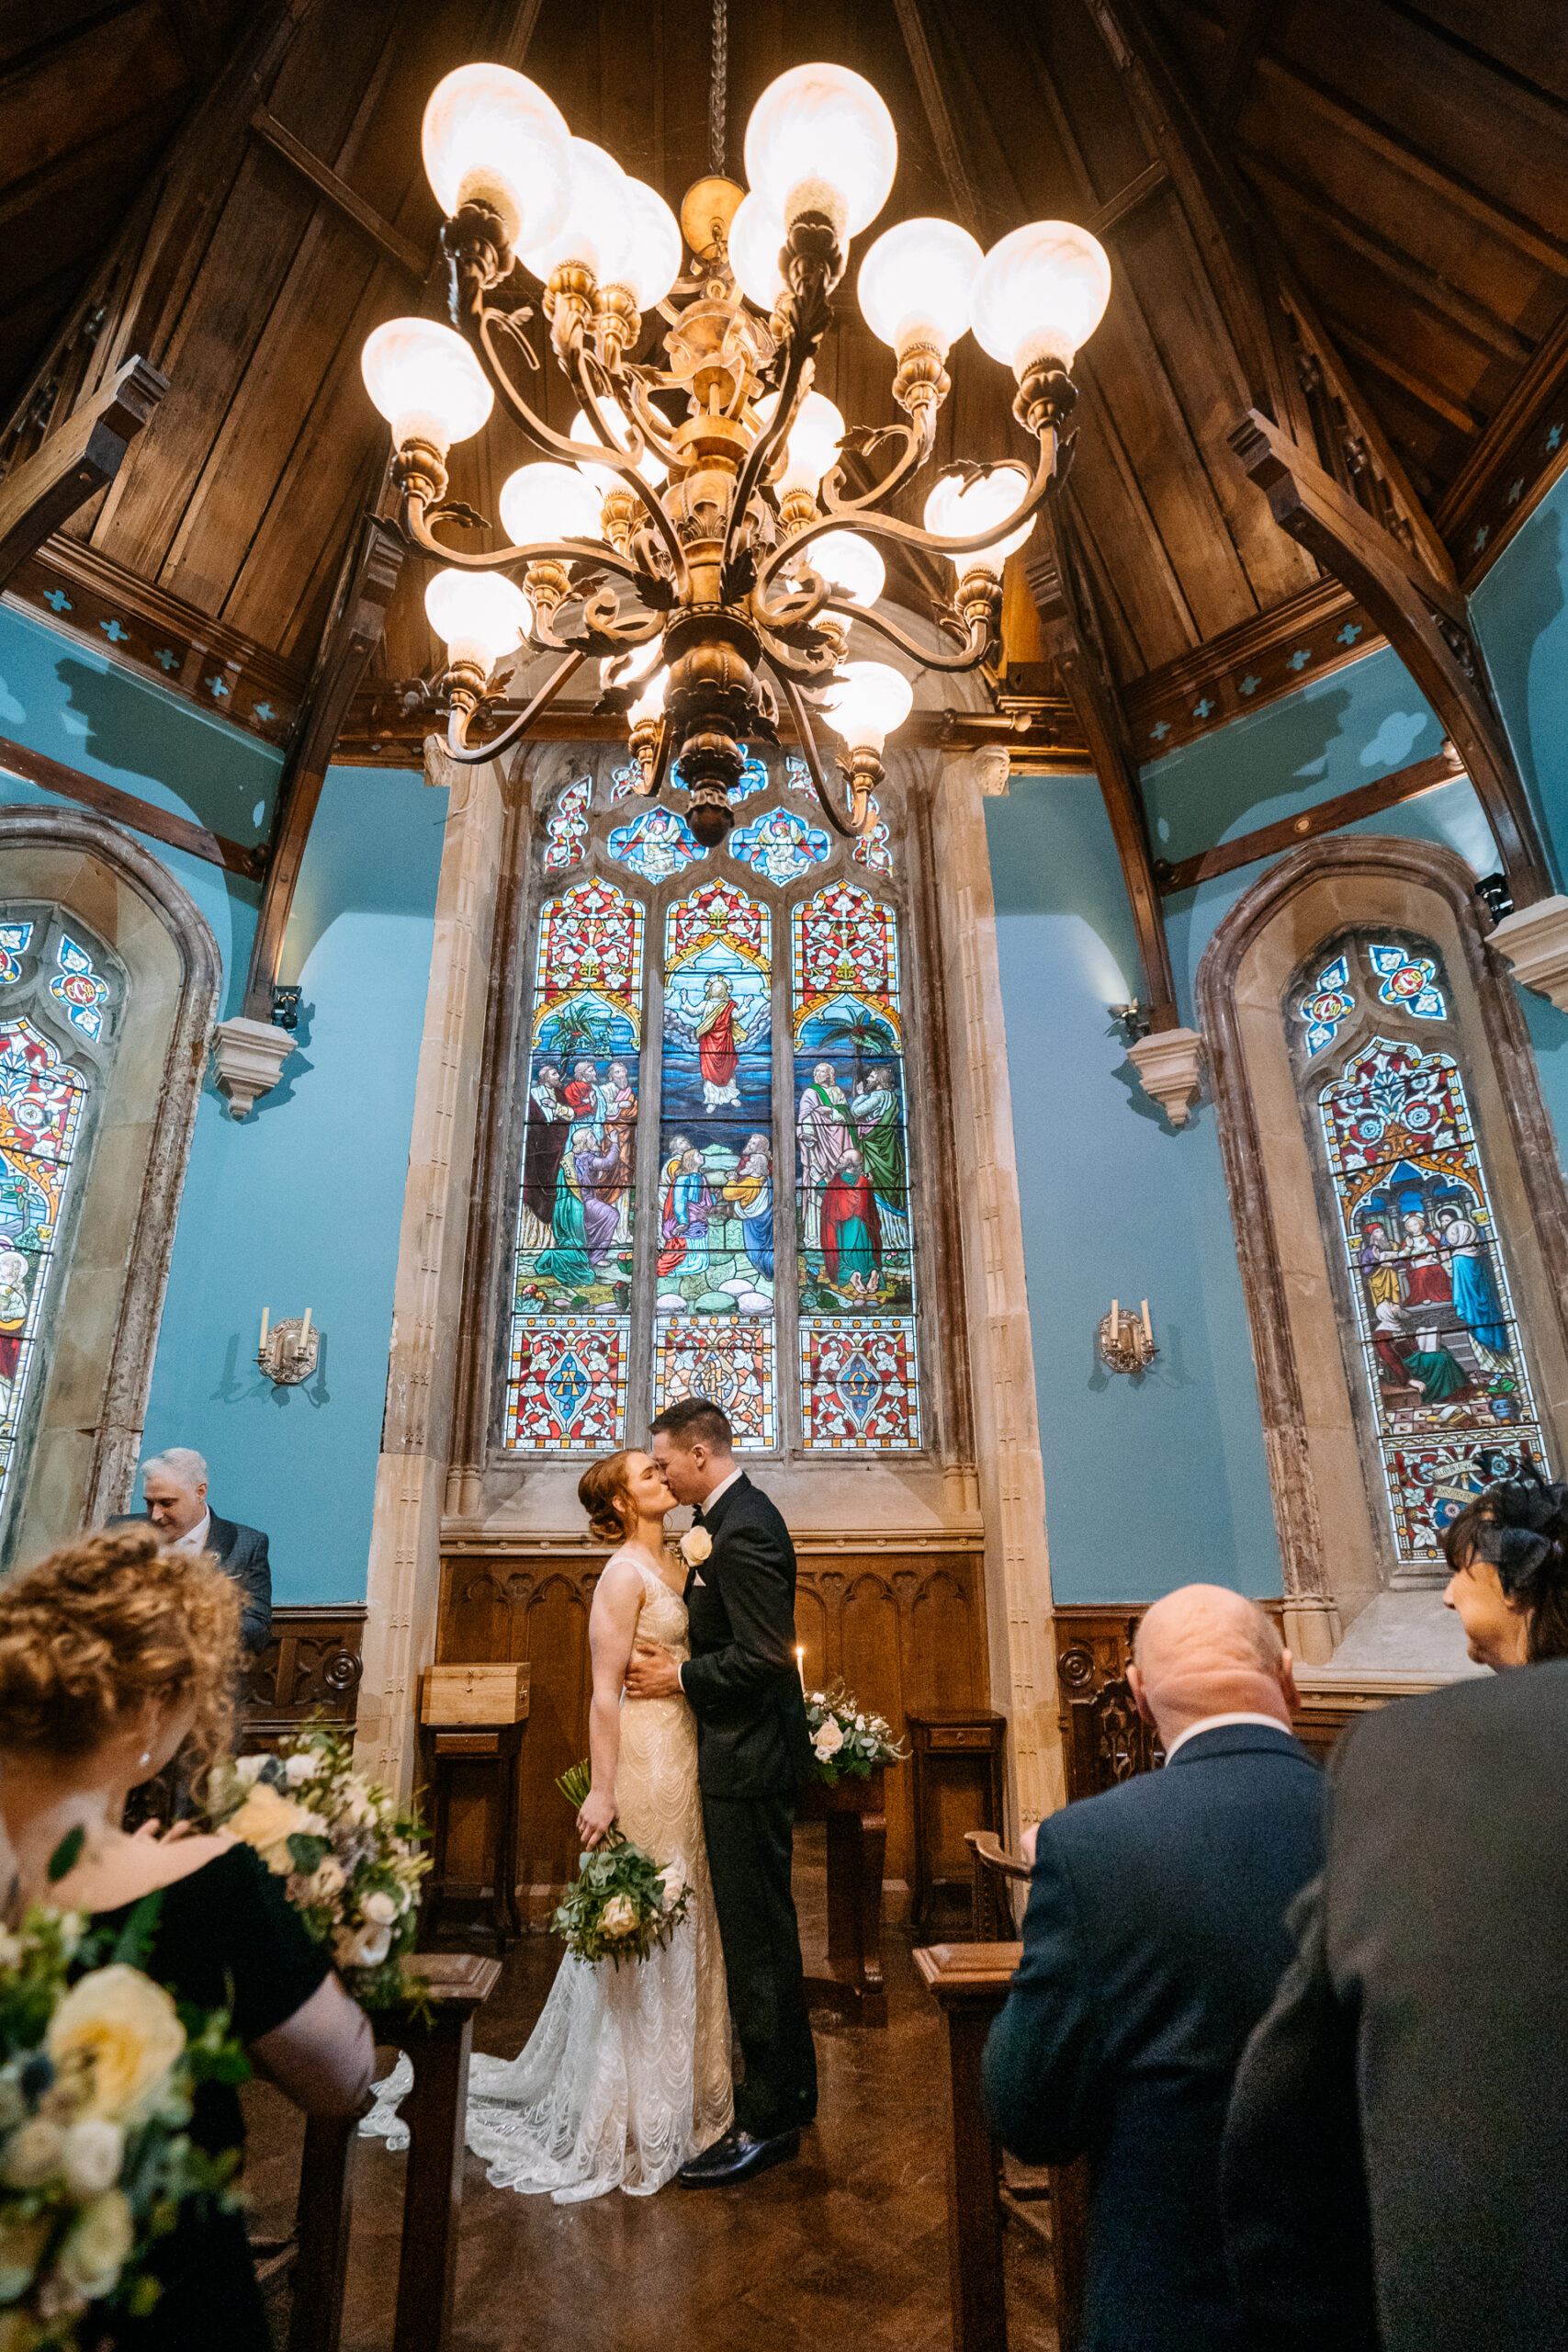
<point x="1170" y="1070"/>
<point x="1534" y="942"/>
<point x="249" y="1057"/>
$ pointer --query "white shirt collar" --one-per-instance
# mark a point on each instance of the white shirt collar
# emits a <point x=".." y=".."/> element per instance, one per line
<point x="195" y="1538"/>
<point x="723" y="1487"/>
<point x="1215" y="1723"/>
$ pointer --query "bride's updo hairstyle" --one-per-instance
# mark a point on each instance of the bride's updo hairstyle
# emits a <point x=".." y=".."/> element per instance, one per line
<point x="106" y="1624"/>
<point x="606" y="1493"/>
<point x="1520" y="1528"/>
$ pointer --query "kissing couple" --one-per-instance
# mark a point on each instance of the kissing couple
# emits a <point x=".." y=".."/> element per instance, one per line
<point x="698" y="1741"/>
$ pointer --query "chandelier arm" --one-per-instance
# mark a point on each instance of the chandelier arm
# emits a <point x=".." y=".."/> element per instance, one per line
<point x="764" y="448"/>
<point x="859" y="818"/>
<point x="622" y="461"/>
<point x="814" y="667"/>
<point x="473" y="754"/>
<point x="977" y="638"/>
<point x="654" y="428"/>
<point x="595" y="552"/>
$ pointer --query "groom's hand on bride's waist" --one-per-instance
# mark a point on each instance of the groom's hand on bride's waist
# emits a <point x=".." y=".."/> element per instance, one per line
<point x="652" y="1674"/>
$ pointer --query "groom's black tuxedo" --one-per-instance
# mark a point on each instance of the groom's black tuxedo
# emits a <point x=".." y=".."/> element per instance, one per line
<point x="753" y="1751"/>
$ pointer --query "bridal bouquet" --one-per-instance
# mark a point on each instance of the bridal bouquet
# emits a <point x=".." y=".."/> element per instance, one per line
<point x="845" y="1739"/>
<point x="622" y="1904"/>
<point x="96" y="2078"/>
<point x="349" y="1853"/>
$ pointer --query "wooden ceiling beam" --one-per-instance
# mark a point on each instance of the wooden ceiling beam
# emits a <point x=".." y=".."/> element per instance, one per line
<point x="1326" y="816"/>
<point x="337" y="193"/>
<point x="968" y="205"/>
<point x="74" y="462"/>
<point x="1425" y="620"/>
<point x="1436" y="402"/>
<point x="126" y="808"/>
<point x="1243" y="53"/>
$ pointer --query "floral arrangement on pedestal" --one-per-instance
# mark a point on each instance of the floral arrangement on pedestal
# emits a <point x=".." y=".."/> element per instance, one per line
<point x="622" y="1904"/>
<point x="98" y="2067"/>
<point x="845" y="1740"/>
<point x="349" y="1852"/>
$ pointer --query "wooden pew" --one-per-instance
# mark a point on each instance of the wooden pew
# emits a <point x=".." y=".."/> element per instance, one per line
<point x="435" y="2112"/>
<point x="969" y="1984"/>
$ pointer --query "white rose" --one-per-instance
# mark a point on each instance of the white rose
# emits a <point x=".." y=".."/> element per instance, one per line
<point x="361" y="1947"/>
<point x="619" y="1915"/>
<point x="268" y="1820"/>
<point x="327" y="1880"/>
<point x="34" y="2153"/>
<point x="696" y="1545"/>
<point x="93" y="2253"/>
<point x="829" y="1739"/>
<point x="250" y="1768"/>
<point x="125" y="2028"/>
<point x="379" y="1907"/>
<point x="94" y="2150"/>
<point x="21" y="2250"/>
<point x="675" y="1883"/>
<point x="300" y="1768"/>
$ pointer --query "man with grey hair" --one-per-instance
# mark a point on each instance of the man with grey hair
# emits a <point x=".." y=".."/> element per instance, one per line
<point x="1152" y="1942"/>
<point x="175" y="1485"/>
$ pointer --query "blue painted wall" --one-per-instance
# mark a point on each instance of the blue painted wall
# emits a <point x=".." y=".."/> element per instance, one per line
<point x="302" y="1203"/>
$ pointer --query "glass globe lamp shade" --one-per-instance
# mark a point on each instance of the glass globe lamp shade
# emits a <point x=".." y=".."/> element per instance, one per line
<point x="813" y="444"/>
<point x="491" y="137"/>
<point x="603" y="479"/>
<point x="594" y="231"/>
<point x="540" y="502"/>
<point x="850" y="564"/>
<point x="956" y="510"/>
<point x="480" y="615"/>
<point x="1040" y="295"/>
<point x="915" y="285"/>
<point x="821" y="140"/>
<point x="650" y="704"/>
<point x="425" y="382"/>
<point x="866" y="702"/>
<point x="756" y="241"/>
<point x="651" y="248"/>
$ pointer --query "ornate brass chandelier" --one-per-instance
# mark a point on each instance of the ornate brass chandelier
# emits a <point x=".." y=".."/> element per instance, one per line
<point x="694" y="531"/>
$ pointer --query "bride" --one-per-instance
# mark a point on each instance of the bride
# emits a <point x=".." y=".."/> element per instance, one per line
<point x="626" y="2074"/>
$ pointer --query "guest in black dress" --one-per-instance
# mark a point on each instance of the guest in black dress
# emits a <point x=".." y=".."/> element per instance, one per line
<point x="115" y="1657"/>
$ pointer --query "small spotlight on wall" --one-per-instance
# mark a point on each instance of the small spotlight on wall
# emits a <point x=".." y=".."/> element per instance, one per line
<point x="1132" y="1020"/>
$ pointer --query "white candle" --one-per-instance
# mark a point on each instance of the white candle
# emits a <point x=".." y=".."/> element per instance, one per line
<point x="800" y="1664"/>
<point x="1115" y="1321"/>
<point x="1149" y="1334"/>
<point x="262" y="1349"/>
<point x="305" y="1332"/>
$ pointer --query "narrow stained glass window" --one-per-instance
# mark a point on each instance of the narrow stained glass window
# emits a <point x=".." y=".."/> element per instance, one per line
<point x="565" y="839"/>
<point x="41" y="1102"/>
<point x="858" y="1374"/>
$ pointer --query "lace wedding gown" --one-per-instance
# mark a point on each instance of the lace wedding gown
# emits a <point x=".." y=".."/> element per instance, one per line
<point x="626" y="2074"/>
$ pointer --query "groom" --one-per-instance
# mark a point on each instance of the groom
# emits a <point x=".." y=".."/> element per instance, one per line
<point x="753" y="1751"/>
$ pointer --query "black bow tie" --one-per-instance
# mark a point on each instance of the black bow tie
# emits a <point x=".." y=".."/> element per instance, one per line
<point x="697" y="1519"/>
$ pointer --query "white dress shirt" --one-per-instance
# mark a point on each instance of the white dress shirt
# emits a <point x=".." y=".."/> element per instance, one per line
<point x="707" y="1505"/>
<point x="195" y="1538"/>
<point x="1216" y="1723"/>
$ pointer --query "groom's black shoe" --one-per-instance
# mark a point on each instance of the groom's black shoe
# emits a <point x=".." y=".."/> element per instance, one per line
<point x="737" y="2156"/>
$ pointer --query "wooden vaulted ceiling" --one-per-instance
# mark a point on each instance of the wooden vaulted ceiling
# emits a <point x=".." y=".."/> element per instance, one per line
<point x="1357" y="221"/>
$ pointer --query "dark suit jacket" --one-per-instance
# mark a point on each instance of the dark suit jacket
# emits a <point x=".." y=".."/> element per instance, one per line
<point x="1154" y="1939"/>
<point x="243" y="1551"/>
<point x="1423" y="2029"/>
<point x="741" y="1679"/>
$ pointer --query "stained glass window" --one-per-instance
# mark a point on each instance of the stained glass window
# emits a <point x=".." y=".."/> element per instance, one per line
<point x="658" y="843"/>
<point x="779" y="845"/>
<point x="565" y="838"/>
<point x="1442" y="1361"/>
<point x="875" y="849"/>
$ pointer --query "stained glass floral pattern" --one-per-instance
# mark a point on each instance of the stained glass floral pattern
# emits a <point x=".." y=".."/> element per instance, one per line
<point x="565" y="838"/>
<point x="1329" y="1004"/>
<point x="875" y="849"/>
<point x="779" y="845"/>
<point x="41" y="1104"/>
<point x="79" y="988"/>
<point x="858" y="1385"/>
<point x="658" y="844"/>
<point x="567" y="1388"/>
<point x="15" y="940"/>
<point x="1408" y="980"/>
<point x="730" y="1363"/>
<point x="1450" y="1390"/>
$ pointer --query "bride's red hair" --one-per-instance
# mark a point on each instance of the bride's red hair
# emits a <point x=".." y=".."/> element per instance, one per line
<point x="604" y="1490"/>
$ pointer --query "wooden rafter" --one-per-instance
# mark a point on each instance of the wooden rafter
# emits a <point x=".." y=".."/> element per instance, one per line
<point x="74" y="462"/>
<point x="968" y="208"/>
<point x="126" y="808"/>
<point x="1327" y="817"/>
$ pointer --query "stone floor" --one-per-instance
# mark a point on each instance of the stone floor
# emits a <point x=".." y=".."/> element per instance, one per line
<point x="849" y="2244"/>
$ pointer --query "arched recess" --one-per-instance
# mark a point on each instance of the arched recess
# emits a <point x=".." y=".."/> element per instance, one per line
<point x="1326" y="1510"/>
<point x="88" y="1423"/>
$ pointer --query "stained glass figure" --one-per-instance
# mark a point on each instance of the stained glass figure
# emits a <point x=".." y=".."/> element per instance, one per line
<point x="753" y="776"/>
<point x="565" y="839"/>
<point x="1328" y="1005"/>
<point x="81" y="990"/>
<point x="797" y="775"/>
<point x="780" y="845"/>
<point x="731" y="1364"/>
<point x="15" y="939"/>
<point x="658" y="844"/>
<point x="852" y="1174"/>
<point x="1450" y="1389"/>
<point x="41" y="1102"/>
<point x="624" y="780"/>
<point x="875" y="849"/>
<point x="567" y="1388"/>
<point x="1409" y="981"/>
<point x="574" y="1260"/>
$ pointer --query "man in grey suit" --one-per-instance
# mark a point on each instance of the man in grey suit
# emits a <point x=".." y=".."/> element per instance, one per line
<point x="174" y="1484"/>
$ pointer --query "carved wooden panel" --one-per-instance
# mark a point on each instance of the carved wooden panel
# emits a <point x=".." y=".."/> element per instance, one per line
<point x="904" y="1630"/>
<point x="310" y="1667"/>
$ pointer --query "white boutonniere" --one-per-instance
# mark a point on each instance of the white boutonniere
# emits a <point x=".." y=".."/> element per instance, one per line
<point x="696" y="1545"/>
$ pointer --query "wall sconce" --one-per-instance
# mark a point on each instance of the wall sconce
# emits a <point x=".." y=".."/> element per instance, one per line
<point x="1127" y="1343"/>
<point x="289" y="1349"/>
<point x="1132" y="1020"/>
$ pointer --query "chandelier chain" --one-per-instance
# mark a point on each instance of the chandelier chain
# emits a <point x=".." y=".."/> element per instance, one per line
<point x="719" y="88"/>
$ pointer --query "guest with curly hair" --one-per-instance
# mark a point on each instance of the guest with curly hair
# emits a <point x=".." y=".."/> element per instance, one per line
<point x="115" y="1657"/>
<point x="1508" y="1550"/>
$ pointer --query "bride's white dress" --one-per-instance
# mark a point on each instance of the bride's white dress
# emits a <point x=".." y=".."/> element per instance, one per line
<point x="626" y="2074"/>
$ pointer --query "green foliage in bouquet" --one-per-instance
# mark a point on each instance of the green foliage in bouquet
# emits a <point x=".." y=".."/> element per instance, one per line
<point x="98" y="2069"/>
<point x="622" y="1904"/>
<point x="845" y="1740"/>
<point x="349" y="1854"/>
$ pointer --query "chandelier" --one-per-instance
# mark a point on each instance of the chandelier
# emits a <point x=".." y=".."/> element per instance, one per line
<point x="695" y="531"/>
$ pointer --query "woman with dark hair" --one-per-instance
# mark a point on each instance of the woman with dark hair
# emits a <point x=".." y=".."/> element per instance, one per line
<point x="1508" y="1550"/>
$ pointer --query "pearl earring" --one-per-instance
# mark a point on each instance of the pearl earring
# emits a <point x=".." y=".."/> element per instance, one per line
<point x="146" y="1755"/>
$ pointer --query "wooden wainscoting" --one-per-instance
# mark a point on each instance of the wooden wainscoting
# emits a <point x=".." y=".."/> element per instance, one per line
<point x="905" y="1628"/>
<point x="310" y="1667"/>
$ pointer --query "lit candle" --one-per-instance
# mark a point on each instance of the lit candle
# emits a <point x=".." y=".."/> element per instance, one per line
<point x="1149" y="1334"/>
<point x="304" y="1340"/>
<point x="262" y="1349"/>
<point x="1115" y="1321"/>
<point x="800" y="1664"/>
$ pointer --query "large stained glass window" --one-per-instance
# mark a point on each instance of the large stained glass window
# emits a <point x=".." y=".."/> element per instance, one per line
<point x="1442" y="1359"/>
<point x="53" y="978"/>
<point x="750" y="1238"/>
